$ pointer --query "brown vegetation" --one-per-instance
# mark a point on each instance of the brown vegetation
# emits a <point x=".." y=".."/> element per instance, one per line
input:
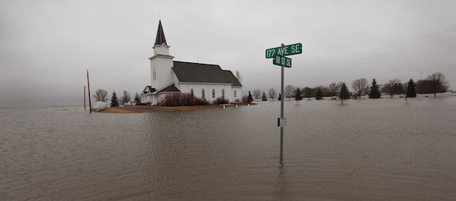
<point x="150" y="109"/>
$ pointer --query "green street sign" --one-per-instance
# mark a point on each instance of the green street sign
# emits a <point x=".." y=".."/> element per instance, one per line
<point x="284" y="50"/>
<point x="282" y="61"/>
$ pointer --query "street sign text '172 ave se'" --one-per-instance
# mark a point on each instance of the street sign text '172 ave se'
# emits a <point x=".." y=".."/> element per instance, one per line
<point x="284" y="50"/>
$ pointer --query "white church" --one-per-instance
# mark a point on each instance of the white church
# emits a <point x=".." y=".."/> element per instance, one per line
<point x="207" y="81"/>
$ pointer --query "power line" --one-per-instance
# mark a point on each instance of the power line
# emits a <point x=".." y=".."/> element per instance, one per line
<point x="375" y="49"/>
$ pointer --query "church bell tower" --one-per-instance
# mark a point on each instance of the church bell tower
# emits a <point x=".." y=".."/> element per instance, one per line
<point x="161" y="62"/>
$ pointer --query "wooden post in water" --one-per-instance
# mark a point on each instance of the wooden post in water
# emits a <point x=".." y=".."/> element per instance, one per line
<point x="88" y="88"/>
<point x="84" y="98"/>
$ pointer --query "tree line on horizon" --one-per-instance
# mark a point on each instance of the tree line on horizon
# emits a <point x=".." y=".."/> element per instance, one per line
<point x="433" y="84"/>
<point x="102" y="95"/>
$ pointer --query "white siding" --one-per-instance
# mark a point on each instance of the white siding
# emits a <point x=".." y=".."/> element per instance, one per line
<point x="197" y="89"/>
<point x="164" y="73"/>
<point x="238" y="93"/>
<point x="161" y="49"/>
<point x="146" y="98"/>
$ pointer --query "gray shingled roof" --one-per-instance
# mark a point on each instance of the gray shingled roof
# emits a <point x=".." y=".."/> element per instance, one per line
<point x="170" y="88"/>
<point x="160" y="39"/>
<point x="152" y="90"/>
<point x="196" y="72"/>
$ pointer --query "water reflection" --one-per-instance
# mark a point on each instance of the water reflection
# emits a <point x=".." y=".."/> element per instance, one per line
<point x="282" y="185"/>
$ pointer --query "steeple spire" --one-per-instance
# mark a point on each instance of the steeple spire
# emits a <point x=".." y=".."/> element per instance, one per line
<point x="160" y="39"/>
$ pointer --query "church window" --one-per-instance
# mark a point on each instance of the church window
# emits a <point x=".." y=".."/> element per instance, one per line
<point x="203" y="94"/>
<point x="154" y="74"/>
<point x="191" y="93"/>
<point x="223" y="93"/>
<point x="213" y="93"/>
<point x="235" y="93"/>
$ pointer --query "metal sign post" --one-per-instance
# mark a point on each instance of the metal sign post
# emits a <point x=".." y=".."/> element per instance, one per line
<point x="282" y="116"/>
<point x="278" y="54"/>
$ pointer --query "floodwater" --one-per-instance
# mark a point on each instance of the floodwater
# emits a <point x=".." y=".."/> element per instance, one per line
<point x="366" y="149"/>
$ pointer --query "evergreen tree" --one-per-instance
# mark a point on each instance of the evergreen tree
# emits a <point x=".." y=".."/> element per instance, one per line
<point x="249" y="98"/>
<point x="114" y="101"/>
<point x="264" y="97"/>
<point x="137" y="98"/>
<point x="344" y="93"/>
<point x="280" y="97"/>
<point x="298" y="94"/>
<point x="319" y="95"/>
<point x="374" y="91"/>
<point x="411" y="90"/>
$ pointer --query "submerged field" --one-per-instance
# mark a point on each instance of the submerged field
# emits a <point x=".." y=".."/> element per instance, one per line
<point x="365" y="149"/>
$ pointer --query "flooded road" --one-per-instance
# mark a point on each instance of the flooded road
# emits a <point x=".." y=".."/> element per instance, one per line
<point x="362" y="150"/>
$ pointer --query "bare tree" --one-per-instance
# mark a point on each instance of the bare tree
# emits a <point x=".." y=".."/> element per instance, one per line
<point x="272" y="93"/>
<point x="392" y="87"/>
<point x="360" y="87"/>
<point x="288" y="91"/>
<point x="438" y="83"/>
<point x="238" y="76"/>
<point x="308" y="92"/>
<point x="125" y="97"/>
<point x="323" y="89"/>
<point x="256" y="94"/>
<point x="334" y="88"/>
<point x="101" y="95"/>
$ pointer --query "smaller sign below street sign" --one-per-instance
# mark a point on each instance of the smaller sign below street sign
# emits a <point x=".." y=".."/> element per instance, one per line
<point x="282" y="61"/>
<point x="281" y="122"/>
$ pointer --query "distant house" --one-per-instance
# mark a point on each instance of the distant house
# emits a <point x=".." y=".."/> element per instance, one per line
<point x="208" y="81"/>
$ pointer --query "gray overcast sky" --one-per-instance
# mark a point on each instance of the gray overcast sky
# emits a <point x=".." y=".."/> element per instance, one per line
<point x="46" y="45"/>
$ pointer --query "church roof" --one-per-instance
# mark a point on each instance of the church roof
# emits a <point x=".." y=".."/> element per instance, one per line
<point x="196" y="72"/>
<point x="170" y="88"/>
<point x="160" y="39"/>
<point x="151" y="90"/>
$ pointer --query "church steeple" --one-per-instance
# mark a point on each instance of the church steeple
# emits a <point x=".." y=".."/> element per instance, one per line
<point x="161" y="62"/>
<point x="160" y="39"/>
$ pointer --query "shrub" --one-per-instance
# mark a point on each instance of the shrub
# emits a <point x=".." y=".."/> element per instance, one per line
<point x="245" y="99"/>
<point x="183" y="99"/>
<point x="171" y="100"/>
<point x="220" y="100"/>
<point x="187" y="99"/>
<point x="200" y="101"/>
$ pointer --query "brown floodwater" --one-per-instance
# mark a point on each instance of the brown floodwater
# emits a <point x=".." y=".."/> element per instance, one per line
<point x="366" y="149"/>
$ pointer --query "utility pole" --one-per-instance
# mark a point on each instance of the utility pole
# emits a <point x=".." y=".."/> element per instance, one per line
<point x="85" y="98"/>
<point x="88" y="88"/>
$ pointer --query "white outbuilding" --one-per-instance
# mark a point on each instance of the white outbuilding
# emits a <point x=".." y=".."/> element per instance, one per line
<point x="207" y="81"/>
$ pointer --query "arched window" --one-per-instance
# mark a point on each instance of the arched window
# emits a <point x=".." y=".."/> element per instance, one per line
<point x="235" y="93"/>
<point x="191" y="93"/>
<point x="154" y="74"/>
<point x="223" y="93"/>
<point x="203" y="94"/>
<point x="213" y="93"/>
